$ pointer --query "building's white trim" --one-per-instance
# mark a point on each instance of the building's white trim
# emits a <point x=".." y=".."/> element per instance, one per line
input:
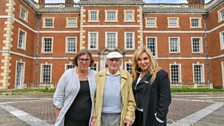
<point x="126" y="56"/>
<point x="222" y="66"/>
<point x="155" y="23"/>
<point x="219" y="14"/>
<point x="174" y="31"/>
<point x="67" y="22"/>
<point x="111" y="26"/>
<point x="26" y="14"/>
<point x="44" y="22"/>
<point x="125" y="40"/>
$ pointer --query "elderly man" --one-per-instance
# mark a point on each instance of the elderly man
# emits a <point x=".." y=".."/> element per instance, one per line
<point x="114" y="102"/>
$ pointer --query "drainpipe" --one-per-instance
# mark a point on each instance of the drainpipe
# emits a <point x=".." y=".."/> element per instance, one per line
<point x="38" y="47"/>
<point x="206" y="49"/>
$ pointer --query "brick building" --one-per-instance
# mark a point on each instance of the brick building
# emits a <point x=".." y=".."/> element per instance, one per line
<point x="39" y="40"/>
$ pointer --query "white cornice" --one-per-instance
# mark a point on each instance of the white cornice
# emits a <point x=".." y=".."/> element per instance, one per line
<point x="173" y="31"/>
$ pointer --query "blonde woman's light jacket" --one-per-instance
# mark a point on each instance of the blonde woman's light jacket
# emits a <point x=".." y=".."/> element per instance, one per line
<point x="128" y="103"/>
<point x="67" y="89"/>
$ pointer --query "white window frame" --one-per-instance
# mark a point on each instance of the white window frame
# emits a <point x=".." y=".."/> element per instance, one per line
<point x="202" y="70"/>
<point x="125" y="41"/>
<point x="69" y="64"/>
<point x="24" y="70"/>
<point x="96" y="66"/>
<point x="155" y="22"/>
<point x="26" y="14"/>
<point x="44" y="22"/>
<point x="89" y="40"/>
<point x="43" y="44"/>
<point x="180" y="74"/>
<point x="177" y="22"/>
<point x="222" y="66"/>
<point x="146" y="43"/>
<point x="41" y="73"/>
<point x="66" y="45"/>
<point x="125" y="16"/>
<point x="220" y="15"/>
<point x="106" y="14"/>
<point x="200" y="44"/>
<point x="126" y="63"/>
<point x="68" y="22"/>
<point x="116" y="40"/>
<point x="199" y="22"/>
<point x="221" y="36"/>
<point x="178" y="44"/>
<point x="23" y="41"/>
<point x="89" y="16"/>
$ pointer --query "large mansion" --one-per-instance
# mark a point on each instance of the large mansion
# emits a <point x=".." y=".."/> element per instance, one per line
<point x="38" y="40"/>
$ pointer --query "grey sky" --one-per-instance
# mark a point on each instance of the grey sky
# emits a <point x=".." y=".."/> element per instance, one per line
<point x="148" y="1"/>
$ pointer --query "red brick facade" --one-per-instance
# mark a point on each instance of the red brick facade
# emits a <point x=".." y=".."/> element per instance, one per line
<point x="23" y="60"/>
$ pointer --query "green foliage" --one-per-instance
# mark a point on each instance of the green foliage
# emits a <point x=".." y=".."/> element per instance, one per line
<point x="196" y="90"/>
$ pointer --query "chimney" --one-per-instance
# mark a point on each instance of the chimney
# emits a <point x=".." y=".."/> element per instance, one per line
<point x="69" y="3"/>
<point x="41" y="3"/>
<point x="196" y="3"/>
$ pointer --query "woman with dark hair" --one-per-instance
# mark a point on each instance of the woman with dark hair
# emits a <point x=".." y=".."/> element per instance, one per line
<point x="151" y="89"/>
<point x="74" y="96"/>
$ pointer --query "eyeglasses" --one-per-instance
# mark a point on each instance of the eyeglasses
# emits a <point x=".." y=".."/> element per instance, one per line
<point x="114" y="59"/>
<point x="83" y="60"/>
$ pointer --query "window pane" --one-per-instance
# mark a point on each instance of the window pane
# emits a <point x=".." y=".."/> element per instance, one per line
<point x="22" y="37"/>
<point x="93" y="40"/>
<point x="175" y="75"/>
<point x="48" y="22"/>
<point x="129" y="40"/>
<point x="71" y="22"/>
<point x="93" y="15"/>
<point x="71" y="44"/>
<point x="111" y="15"/>
<point x="195" y="22"/>
<point x="129" y="15"/>
<point x="198" y="73"/>
<point x="111" y="40"/>
<point x="151" y="22"/>
<point x="173" y="22"/>
<point x="173" y="44"/>
<point x="46" y="75"/>
<point x="47" y="44"/>
<point x="196" y="45"/>
<point x="151" y="45"/>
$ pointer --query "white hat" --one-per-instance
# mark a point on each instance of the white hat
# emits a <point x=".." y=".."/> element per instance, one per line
<point x="112" y="55"/>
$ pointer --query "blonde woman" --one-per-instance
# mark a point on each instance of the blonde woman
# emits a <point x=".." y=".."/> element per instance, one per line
<point x="151" y="87"/>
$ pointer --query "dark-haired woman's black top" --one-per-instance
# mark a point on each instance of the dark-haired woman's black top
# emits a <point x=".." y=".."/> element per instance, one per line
<point x="80" y="110"/>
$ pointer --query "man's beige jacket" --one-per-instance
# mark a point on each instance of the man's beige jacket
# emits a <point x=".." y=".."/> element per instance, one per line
<point x="128" y="103"/>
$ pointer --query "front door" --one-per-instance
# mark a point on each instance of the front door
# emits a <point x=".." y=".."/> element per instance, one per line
<point x="19" y="75"/>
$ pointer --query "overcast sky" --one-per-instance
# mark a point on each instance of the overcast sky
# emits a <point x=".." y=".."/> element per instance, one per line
<point x="148" y="1"/>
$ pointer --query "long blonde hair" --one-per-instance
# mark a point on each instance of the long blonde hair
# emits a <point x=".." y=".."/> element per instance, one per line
<point x="154" y="67"/>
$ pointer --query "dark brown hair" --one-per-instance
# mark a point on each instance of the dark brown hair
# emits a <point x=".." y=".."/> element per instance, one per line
<point x="80" y="53"/>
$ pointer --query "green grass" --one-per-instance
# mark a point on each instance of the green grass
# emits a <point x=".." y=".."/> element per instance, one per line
<point x="33" y="90"/>
<point x="196" y="90"/>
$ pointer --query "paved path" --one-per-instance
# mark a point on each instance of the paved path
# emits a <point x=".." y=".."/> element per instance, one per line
<point x="187" y="109"/>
